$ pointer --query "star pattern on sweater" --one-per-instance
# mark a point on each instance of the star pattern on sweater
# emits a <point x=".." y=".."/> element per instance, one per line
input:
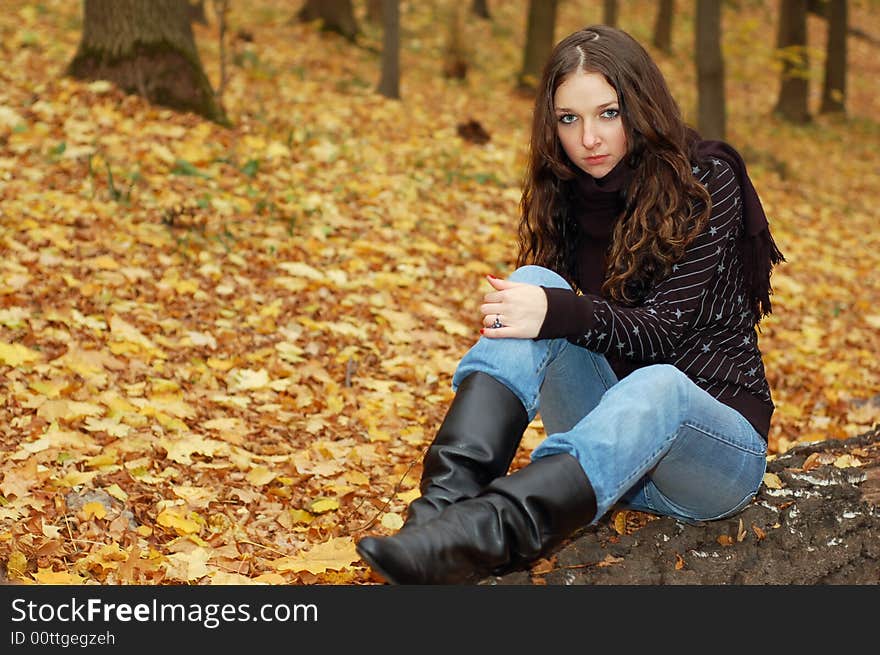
<point x="698" y="318"/>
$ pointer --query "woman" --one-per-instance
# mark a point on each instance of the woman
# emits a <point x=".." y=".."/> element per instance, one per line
<point x="643" y="271"/>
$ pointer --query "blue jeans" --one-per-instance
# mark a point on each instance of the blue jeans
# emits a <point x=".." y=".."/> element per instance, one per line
<point x="653" y="441"/>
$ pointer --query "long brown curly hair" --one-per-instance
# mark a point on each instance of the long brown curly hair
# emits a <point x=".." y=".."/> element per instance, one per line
<point x="665" y="206"/>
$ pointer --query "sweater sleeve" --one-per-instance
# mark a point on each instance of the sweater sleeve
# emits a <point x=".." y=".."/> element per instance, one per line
<point x="686" y="298"/>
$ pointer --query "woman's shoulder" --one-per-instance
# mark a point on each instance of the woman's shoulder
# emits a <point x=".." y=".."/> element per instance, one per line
<point x="714" y="173"/>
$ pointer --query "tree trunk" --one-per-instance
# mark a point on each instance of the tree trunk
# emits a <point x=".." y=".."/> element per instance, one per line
<point x="455" y="62"/>
<point x="374" y="12"/>
<point x="389" y="84"/>
<point x="834" y="86"/>
<point x="146" y="47"/>
<point x="711" y="106"/>
<point x="480" y="8"/>
<point x="663" y="25"/>
<point x="792" y="44"/>
<point x="539" y="42"/>
<point x="609" y="12"/>
<point x="335" y="16"/>
<point x="197" y="12"/>
<point x="815" y="520"/>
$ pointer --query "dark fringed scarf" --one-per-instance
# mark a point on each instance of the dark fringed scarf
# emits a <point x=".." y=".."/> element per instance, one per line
<point x="757" y="248"/>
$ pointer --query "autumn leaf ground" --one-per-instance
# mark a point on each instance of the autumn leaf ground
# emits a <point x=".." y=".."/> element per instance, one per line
<point x="223" y="351"/>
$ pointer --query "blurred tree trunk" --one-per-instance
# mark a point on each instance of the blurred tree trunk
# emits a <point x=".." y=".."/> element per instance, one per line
<point x="481" y="8"/>
<point x="146" y="47"/>
<point x="711" y="106"/>
<point x="455" y="62"/>
<point x="663" y="25"/>
<point x="335" y="16"/>
<point x="834" y="85"/>
<point x="609" y="12"/>
<point x="197" y="12"/>
<point x="539" y="42"/>
<point x="389" y="84"/>
<point x="374" y="12"/>
<point x="792" y="45"/>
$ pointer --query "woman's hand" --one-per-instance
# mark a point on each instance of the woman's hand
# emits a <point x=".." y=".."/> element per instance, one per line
<point x="519" y="307"/>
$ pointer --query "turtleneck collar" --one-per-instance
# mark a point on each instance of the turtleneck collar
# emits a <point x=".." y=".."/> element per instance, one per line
<point x="616" y="180"/>
<point x="599" y="202"/>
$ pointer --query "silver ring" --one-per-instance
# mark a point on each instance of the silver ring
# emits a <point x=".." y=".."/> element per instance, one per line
<point x="497" y="324"/>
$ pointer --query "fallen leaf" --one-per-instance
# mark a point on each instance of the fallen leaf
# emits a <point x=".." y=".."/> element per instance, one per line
<point x="772" y="481"/>
<point x="14" y="354"/>
<point x="336" y="554"/>
<point x="322" y="505"/>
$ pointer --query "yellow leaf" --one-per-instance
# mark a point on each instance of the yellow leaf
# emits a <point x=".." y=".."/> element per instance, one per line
<point x="16" y="565"/>
<point x="188" y="566"/>
<point x="301" y="516"/>
<point x="620" y="522"/>
<point x="170" y="519"/>
<point x="392" y="521"/>
<point x="68" y="410"/>
<point x="260" y="475"/>
<point x="76" y="478"/>
<point x="322" y="505"/>
<point x="128" y="333"/>
<point x="94" y="509"/>
<point x="111" y="426"/>
<point x="228" y="578"/>
<point x="180" y="450"/>
<point x="51" y="389"/>
<point x="772" y="481"/>
<point x="50" y="577"/>
<point x="248" y="380"/>
<point x="455" y="327"/>
<point x="409" y="496"/>
<point x="194" y="496"/>
<point x="13" y="354"/>
<point x="336" y="554"/>
<point x="103" y="460"/>
<point x="51" y="531"/>
<point x="116" y="491"/>
<point x="846" y="461"/>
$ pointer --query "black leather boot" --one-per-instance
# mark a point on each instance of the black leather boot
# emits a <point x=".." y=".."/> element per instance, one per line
<point x="475" y="444"/>
<point x="514" y="520"/>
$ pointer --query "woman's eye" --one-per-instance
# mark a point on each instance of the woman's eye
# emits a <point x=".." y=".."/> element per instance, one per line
<point x="567" y="119"/>
<point x="610" y="113"/>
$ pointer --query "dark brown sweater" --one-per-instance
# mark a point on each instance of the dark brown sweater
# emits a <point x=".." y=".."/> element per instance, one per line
<point x="698" y="318"/>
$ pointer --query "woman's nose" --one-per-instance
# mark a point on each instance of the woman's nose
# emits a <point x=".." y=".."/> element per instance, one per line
<point x="589" y="138"/>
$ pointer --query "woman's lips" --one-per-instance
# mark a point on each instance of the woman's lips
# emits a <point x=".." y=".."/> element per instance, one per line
<point x="598" y="159"/>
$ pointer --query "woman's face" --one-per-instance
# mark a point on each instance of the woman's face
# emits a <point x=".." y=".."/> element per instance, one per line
<point x="589" y="124"/>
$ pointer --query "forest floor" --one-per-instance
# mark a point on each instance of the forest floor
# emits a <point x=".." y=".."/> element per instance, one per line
<point x="224" y="350"/>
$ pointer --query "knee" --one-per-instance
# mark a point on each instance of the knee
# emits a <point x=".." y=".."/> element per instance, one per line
<point x="658" y="380"/>
<point x="531" y="274"/>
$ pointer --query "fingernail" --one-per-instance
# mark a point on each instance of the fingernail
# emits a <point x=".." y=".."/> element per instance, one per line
<point x="492" y="276"/>
<point x="482" y="330"/>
